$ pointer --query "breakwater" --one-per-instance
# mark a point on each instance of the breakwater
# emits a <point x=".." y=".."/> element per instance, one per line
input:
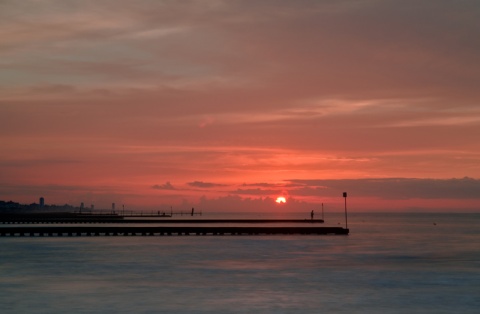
<point x="166" y="231"/>
<point x="74" y="224"/>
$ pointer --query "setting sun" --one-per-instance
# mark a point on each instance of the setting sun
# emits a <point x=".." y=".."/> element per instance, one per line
<point x="281" y="200"/>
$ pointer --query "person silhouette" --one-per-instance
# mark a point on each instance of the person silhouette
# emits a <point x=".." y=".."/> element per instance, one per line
<point x="311" y="215"/>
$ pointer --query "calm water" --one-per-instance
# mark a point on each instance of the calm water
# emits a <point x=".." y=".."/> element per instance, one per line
<point x="390" y="263"/>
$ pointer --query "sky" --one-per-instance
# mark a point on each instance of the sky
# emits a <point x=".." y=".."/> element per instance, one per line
<point x="227" y="105"/>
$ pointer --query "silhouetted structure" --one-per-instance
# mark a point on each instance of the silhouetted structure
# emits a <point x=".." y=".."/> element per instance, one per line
<point x="161" y="231"/>
<point x="346" y="222"/>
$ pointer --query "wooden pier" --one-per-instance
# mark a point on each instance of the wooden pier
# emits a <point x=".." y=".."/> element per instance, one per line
<point x="75" y="224"/>
<point x="164" y="231"/>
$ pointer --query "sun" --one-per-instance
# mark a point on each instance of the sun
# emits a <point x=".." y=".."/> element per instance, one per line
<point x="281" y="200"/>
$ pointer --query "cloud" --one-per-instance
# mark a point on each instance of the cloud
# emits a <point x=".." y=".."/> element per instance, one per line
<point x="166" y="186"/>
<point x="200" y="184"/>
<point x="255" y="192"/>
<point x="392" y="188"/>
<point x="284" y="184"/>
<point x="346" y="48"/>
<point x="262" y="184"/>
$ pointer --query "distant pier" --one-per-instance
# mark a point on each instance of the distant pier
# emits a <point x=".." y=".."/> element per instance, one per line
<point x="75" y="218"/>
<point x="108" y="220"/>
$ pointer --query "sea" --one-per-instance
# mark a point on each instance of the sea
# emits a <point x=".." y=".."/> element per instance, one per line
<point x="389" y="263"/>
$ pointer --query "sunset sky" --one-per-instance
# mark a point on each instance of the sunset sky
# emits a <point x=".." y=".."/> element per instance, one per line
<point x="226" y="105"/>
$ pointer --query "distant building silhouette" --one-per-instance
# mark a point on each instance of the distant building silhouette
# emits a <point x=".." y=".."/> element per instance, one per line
<point x="42" y="202"/>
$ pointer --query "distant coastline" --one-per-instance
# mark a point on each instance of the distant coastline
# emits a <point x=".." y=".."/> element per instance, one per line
<point x="6" y="206"/>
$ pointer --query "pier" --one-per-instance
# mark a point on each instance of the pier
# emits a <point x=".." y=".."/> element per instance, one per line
<point x="75" y="224"/>
<point x="165" y="231"/>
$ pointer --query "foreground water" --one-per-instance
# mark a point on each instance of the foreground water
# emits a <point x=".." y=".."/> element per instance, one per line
<point x="390" y="263"/>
